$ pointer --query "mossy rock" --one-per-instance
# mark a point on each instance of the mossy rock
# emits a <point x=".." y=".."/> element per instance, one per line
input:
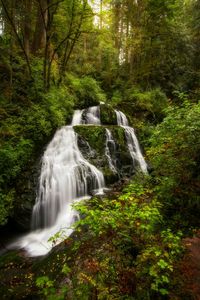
<point x="108" y="115"/>
<point x="92" y="144"/>
<point x="119" y="136"/>
<point x="94" y="135"/>
<point x="124" y="160"/>
<point x="110" y="176"/>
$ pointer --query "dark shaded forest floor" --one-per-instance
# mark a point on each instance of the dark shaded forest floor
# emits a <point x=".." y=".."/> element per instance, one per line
<point x="190" y="266"/>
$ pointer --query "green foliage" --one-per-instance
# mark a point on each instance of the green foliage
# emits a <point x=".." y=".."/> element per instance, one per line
<point x="60" y="106"/>
<point x="47" y="286"/>
<point x="116" y="98"/>
<point x="131" y="231"/>
<point x="174" y="153"/>
<point x="57" y="238"/>
<point x="6" y="205"/>
<point x="122" y="250"/>
<point x="158" y="261"/>
<point x="24" y="132"/>
<point x="87" y="91"/>
<point x="159" y="37"/>
<point x="150" y="103"/>
<point x="138" y="47"/>
<point x="108" y="115"/>
<point x="37" y="69"/>
<point x="13" y="158"/>
<point x="94" y="135"/>
<point x="38" y="126"/>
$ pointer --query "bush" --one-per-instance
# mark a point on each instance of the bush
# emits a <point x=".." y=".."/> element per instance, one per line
<point x="133" y="242"/>
<point x="59" y="103"/>
<point x="122" y="250"/>
<point x="152" y="103"/>
<point x="13" y="158"/>
<point x="174" y="153"/>
<point x="6" y="206"/>
<point x="86" y="90"/>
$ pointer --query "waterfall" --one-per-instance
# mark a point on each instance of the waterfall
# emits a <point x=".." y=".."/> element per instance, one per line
<point x="132" y="142"/>
<point x="90" y="115"/>
<point x="110" y="148"/>
<point x="77" y="117"/>
<point x="121" y="118"/>
<point x="67" y="177"/>
<point x="93" y="115"/>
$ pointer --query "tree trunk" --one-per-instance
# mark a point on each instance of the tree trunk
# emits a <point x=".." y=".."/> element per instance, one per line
<point x="39" y="39"/>
<point x="12" y="44"/>
<point x="117" y="27"/>
<point x="27" y="26"/>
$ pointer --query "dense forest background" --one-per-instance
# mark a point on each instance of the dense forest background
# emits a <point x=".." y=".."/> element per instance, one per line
<point x="141" y="56"/>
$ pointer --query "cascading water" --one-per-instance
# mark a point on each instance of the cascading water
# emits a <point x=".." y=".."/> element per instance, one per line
<point x="67" y="177"/>
<point x="93" y="115"/>
<point x="121" y="118"/>
<point x="110" y="148"/>
<point x="132" y="142"/>
<point x="90" y="115"/>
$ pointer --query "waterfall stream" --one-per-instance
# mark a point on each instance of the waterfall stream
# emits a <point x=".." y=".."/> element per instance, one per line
<point x="110" y="148"/>
<point x="90" y="115"/>
<point x="67" y="177"/>
<point x="132" y="142"/>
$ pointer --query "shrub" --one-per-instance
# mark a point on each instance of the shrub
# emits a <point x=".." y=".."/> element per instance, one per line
<point x="133" y="242"/>
<point x="87" y="91"/>
<point x="174" y="153"/>
<point x="152" y="103"/>
<point x="59" y="104"/>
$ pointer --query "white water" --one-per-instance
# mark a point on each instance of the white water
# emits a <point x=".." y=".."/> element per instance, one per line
<point x="90" y="115"/>
<point x="132" y="142"/>
<point x="93" y="115"/>
<point x="110" y="143"/>
<point x="121" y="118"/>
<point x="66" y="177"/>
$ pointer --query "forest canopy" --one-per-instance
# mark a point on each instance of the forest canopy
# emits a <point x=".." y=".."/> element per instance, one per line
<point x="147" y="43"/>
